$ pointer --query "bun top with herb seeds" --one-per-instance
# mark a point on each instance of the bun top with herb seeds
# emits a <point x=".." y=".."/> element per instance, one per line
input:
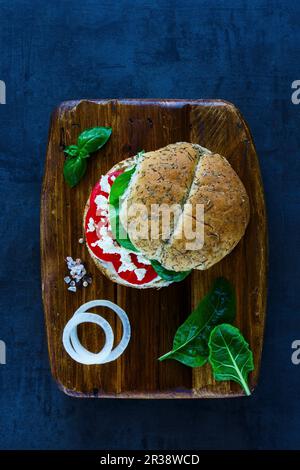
<point x="156" y="216"/>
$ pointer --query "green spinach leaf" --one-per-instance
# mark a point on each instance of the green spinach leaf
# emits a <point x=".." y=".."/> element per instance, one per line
<point x="230" y="356"/>
<point x="167" y="275"/>
<point x="190" y="345"/>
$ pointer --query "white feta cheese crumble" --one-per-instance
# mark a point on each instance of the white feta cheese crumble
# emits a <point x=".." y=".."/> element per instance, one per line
<point x="126" y="267"/>
<point x="107" y="245"/>
<point x="141" y="259"/>
<point x="105" y="186"/>
<point x="104" y="213"/>
<point x="91" y="225"/>
<point x="103" y="231"/>
<point x="127" y="264"/>
<point x="101" y="202"/>
<point x="140" y="273"/>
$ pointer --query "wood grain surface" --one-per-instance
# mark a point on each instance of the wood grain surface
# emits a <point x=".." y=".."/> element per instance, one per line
<point x="154" y="314"/>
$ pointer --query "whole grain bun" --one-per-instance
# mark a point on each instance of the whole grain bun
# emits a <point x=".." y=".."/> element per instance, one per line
<point x="187" y="175"/>
<point x="107" y="268"/>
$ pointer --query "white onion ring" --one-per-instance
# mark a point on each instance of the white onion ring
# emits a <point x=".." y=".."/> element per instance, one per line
<point x="80" y="354"/>
<point x="73" y="345"/>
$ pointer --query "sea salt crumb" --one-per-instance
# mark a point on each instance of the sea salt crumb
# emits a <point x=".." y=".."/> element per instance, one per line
<point x="72" y="289"/>
<point x="78" y="275"/>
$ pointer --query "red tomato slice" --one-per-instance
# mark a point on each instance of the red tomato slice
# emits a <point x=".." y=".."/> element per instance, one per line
<point x="92" y="237"/>
<point x="102" y="223"/>
<point x="112" y="176"/>
<point x="101" y="220"/>
<point x="130" y="276"/>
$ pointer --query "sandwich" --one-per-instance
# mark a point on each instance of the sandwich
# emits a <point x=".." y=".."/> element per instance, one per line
<point x="158" y="215"/>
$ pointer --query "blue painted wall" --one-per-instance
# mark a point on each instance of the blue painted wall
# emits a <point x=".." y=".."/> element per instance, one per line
<point x="247" y="52"/>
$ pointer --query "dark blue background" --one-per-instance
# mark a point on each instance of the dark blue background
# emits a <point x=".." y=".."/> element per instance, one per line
<point x="247" y="52"/>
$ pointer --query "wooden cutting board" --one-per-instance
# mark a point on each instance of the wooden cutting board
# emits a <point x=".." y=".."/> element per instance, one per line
<point x="154" y="314"/>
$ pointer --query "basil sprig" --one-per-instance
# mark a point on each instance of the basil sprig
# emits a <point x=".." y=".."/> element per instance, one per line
<point x="118" y="188"/>
<point x="88" y="141"/>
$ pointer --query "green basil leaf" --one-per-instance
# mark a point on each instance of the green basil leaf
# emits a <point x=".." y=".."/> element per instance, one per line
<point x="72" y="150"/>
<point x="117" y="190"/>
<point x="125" y="241"/>
<point x="190" y="345"/>
<point x="119" y="186"/>
<point x="88" y="141"/>
<point x="74" y="170"/>
<point x="91" y="140"/>
<point x="139" y="154"/>
<point x="118" y="230"/>
<point x="167" y="275"/>
<point x="230" y="356"/>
